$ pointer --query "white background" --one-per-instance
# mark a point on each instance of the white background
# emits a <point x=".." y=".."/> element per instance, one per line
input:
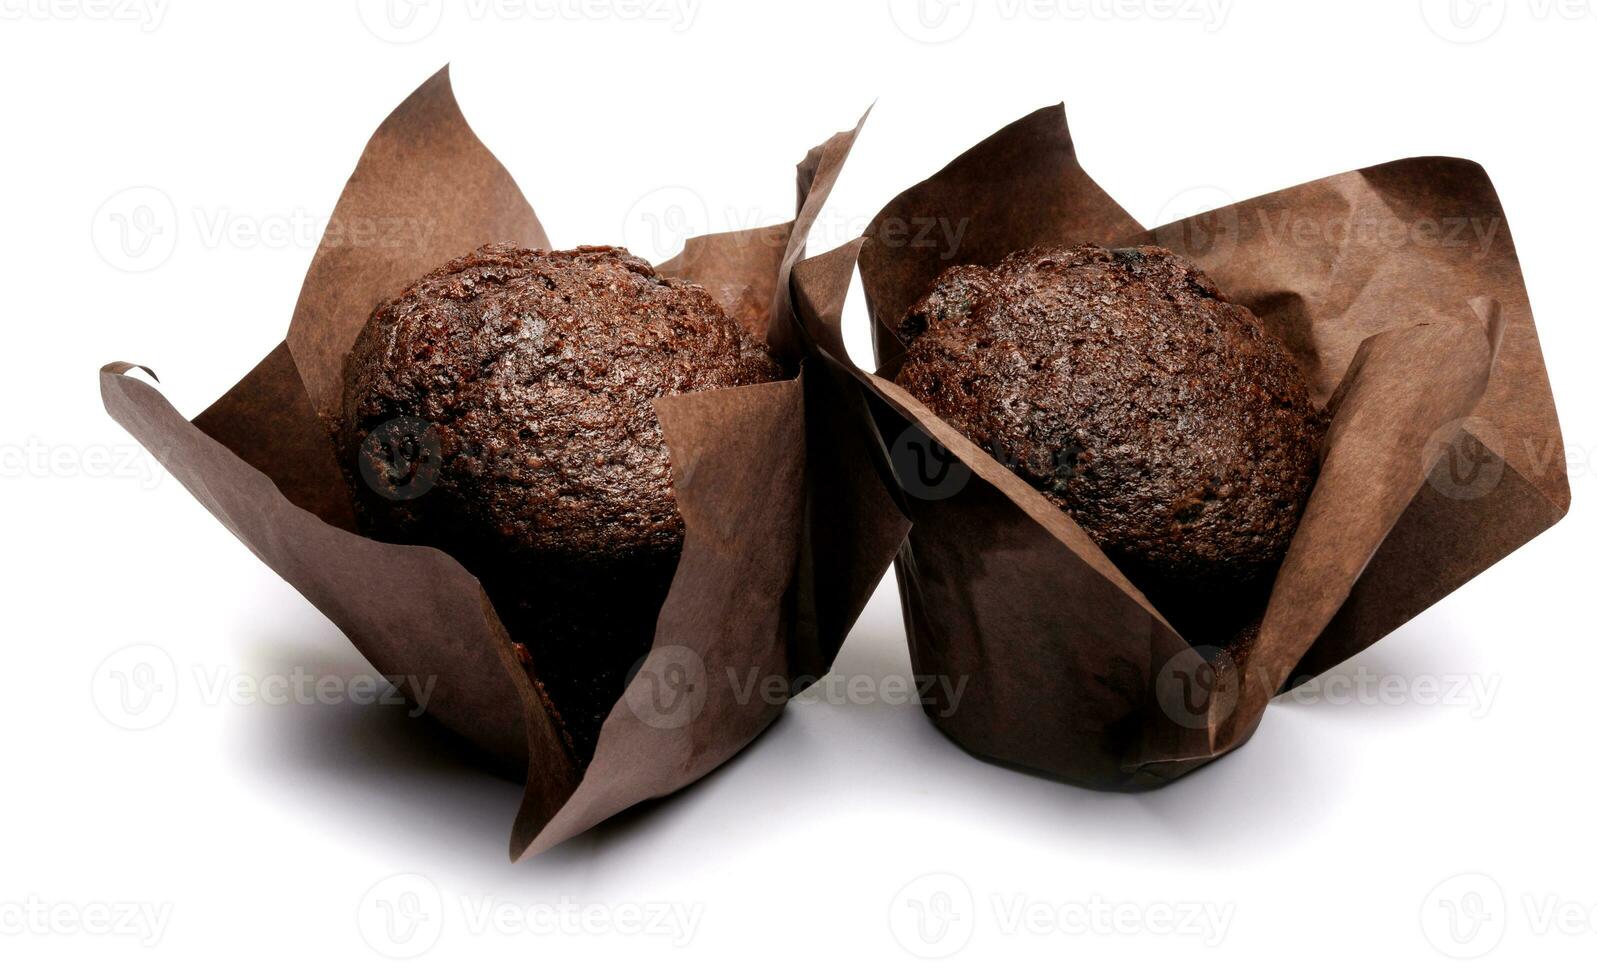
<point x="260" y="838"/>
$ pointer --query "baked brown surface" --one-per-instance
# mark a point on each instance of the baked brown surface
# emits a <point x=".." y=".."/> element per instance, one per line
<point x="499" y="409"/>
<point x="1122" y="385"/>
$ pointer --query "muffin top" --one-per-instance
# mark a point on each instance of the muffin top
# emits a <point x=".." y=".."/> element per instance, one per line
<point x="523" y="378"/>
<point x="1126" y="388"/>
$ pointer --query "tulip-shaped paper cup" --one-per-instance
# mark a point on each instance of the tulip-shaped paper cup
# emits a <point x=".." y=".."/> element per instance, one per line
<point x="741" y="609"/>
<point x="1397" y="290"/>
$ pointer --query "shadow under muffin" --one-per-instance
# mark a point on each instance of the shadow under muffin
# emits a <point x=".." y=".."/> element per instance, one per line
<point x="499" y="409"/>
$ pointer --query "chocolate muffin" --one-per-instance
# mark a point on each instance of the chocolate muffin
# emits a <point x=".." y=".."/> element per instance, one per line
<point x="1124" y="386"/>
<point x="499" y="409"/>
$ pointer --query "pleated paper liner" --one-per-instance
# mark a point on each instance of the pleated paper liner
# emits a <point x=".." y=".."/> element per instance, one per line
<point x="749" y="597"/>
<point x="1397" y="288"/>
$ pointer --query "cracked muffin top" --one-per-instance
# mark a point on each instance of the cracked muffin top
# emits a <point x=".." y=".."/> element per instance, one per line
<point x="1124" y="386"/>
<point x="533" y="373"/>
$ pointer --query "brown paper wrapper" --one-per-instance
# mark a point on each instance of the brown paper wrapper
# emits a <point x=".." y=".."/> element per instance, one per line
<point x="744" y="605"/>
<point x="1398" y="289"/>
